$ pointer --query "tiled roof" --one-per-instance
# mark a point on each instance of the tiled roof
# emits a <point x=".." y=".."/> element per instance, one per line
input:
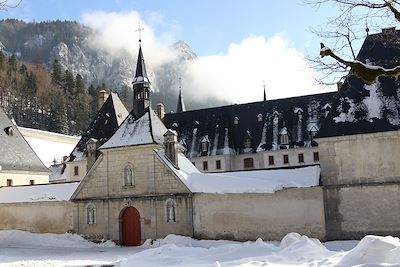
<point x="15" y="152"/>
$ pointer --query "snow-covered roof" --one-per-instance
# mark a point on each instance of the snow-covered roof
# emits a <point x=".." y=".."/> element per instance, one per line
<point x="57" y="173"/>
<point x="15" y="152"/>
<point x="258" y="181"/>
<point x="49" y="146"/>
<point x="104" y="124"/>
<point x="37" y="193"/>
<point x="148" y="129"/>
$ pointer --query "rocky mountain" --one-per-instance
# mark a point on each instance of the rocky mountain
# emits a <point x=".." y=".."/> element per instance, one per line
<point x="69" y="43"/>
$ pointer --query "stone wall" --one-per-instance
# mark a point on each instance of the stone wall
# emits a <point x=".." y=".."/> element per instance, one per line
<point x="152" y="212"/>
<point x="269" y="216"/>
<point x="39" y="217"/>
<point x="360" y="159"/>
<point x="354" y="211"/>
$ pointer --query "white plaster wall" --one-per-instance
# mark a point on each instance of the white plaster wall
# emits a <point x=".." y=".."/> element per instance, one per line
<point x="235" y="162"/>
<point x="23" y="178"/>
<point x="269" y="216"/>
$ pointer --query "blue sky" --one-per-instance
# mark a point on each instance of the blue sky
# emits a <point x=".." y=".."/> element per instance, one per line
<point x="241" y="44"/>
<point x="208" y="26"/>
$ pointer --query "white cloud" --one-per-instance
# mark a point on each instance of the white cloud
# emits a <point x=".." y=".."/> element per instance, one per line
<point x="118" y="32"/>
<point x="238" y="75"/>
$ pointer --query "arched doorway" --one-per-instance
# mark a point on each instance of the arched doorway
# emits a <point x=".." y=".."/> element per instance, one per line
<point x="130" y="227"/>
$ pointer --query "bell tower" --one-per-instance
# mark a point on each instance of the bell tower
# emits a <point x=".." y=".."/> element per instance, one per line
<point x="141" y="83"/>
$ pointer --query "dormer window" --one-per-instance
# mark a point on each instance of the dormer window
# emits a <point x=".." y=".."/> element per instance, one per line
<point x="284" y="136"/>
<point x="236" y="120"/>
<point x="260" y="117"/>
<point x="247" y="142"/>
<point x="205" y="145"/>
<point x="313" y="131"/>
<point x="9" y="131"/>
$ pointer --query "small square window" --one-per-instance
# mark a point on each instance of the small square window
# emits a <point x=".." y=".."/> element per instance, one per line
<point x="205" y="165"/>
<point x="301" y="158"/>
<point x="271" y="160"/>
<point x="31" y="182"/>
<point x="316" y="156"/>
<point x="76" y="170"/>
<point x="218" y="164"/>
<point x="285" y="159"/>
<point x="9" y="182"/>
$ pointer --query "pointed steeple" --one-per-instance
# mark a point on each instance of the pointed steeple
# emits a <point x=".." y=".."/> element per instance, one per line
<point x="265" y="93"/>
<point x="181" y="105"/>
<point x="141" y="84"/>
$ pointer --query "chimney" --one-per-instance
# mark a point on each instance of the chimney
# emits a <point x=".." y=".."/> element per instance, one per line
<point x="160" y="111"/>
<point x="102" y="97"/>
<point x="339" y="85"/>
<point x="171" y="146"/>
<point x="91" y="147"/>
<point x="389" y="30"/>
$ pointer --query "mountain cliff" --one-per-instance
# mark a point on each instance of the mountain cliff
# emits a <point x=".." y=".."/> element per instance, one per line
<point x="69" y="43"/>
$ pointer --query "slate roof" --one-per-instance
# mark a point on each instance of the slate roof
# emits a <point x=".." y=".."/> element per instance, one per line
<point x="15" y="152"/>
<point x="147" y="129"/>
<point x="254" y="120"/>
<point x="105" y="123"/>
<point x="362" y="108"/>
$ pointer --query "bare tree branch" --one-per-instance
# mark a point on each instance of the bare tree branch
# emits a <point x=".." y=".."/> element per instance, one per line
<point x="369" y="74"/>
<point x="5" y="4"/>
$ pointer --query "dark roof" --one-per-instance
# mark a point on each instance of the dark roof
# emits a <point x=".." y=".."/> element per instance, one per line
<point x="253" y="119"/>
<point x="103" y="126"/>
<point x="141" y="74"/>
<point x="147" y="129"/>
<point x="362" y="108"/>
<point x="15" y="152"/>
<point x="181" y="106"/>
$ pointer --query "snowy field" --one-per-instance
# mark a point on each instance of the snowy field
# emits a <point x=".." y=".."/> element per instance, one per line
<point x="19" y="248"/>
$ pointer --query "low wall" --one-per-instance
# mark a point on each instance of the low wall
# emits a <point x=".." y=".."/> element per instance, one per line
<point x="38" y="217"/>
<point x="354" y="211"/>
<point x="268" y="216"/>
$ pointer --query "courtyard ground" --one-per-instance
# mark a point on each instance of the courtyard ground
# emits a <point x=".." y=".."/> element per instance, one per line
<point x="18" y="248"/>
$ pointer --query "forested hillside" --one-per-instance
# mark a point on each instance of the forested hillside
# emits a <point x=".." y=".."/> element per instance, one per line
<point x="57" y="102"/>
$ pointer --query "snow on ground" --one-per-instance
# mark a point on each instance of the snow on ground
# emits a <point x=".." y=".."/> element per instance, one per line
<point x="18" y="248"/>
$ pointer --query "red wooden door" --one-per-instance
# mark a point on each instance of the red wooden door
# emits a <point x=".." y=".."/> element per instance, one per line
<point x="131" y="235"/>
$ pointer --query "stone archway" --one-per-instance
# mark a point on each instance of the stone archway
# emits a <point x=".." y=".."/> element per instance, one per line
<point x="130" y="227"/>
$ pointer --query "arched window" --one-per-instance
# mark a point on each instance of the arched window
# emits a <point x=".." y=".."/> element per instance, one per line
<point x="128" y="175"/>
<point x="248" y="163"/>
<point x="170" y="210"/>
<point x="90" y="214"/>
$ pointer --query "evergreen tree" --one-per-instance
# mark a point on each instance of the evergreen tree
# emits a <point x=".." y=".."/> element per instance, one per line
<point x="2" y="60"/>
<point x="56" y="75"/>
<point x="68" y="83"/>
<point x="79" y="85"/>
<point x="58" y="116"/>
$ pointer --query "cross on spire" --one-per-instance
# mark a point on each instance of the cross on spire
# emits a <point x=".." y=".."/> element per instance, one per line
<point x="180" y="83"/>
<point x="139" y="30"/>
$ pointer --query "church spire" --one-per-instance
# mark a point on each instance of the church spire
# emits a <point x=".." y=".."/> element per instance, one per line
<point x="181" y="105"/>
<point x="265" y="93"/>
<point x="141" y="83"/>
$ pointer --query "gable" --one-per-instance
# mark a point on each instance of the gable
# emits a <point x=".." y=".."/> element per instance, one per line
<point x="15" y="152"/>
